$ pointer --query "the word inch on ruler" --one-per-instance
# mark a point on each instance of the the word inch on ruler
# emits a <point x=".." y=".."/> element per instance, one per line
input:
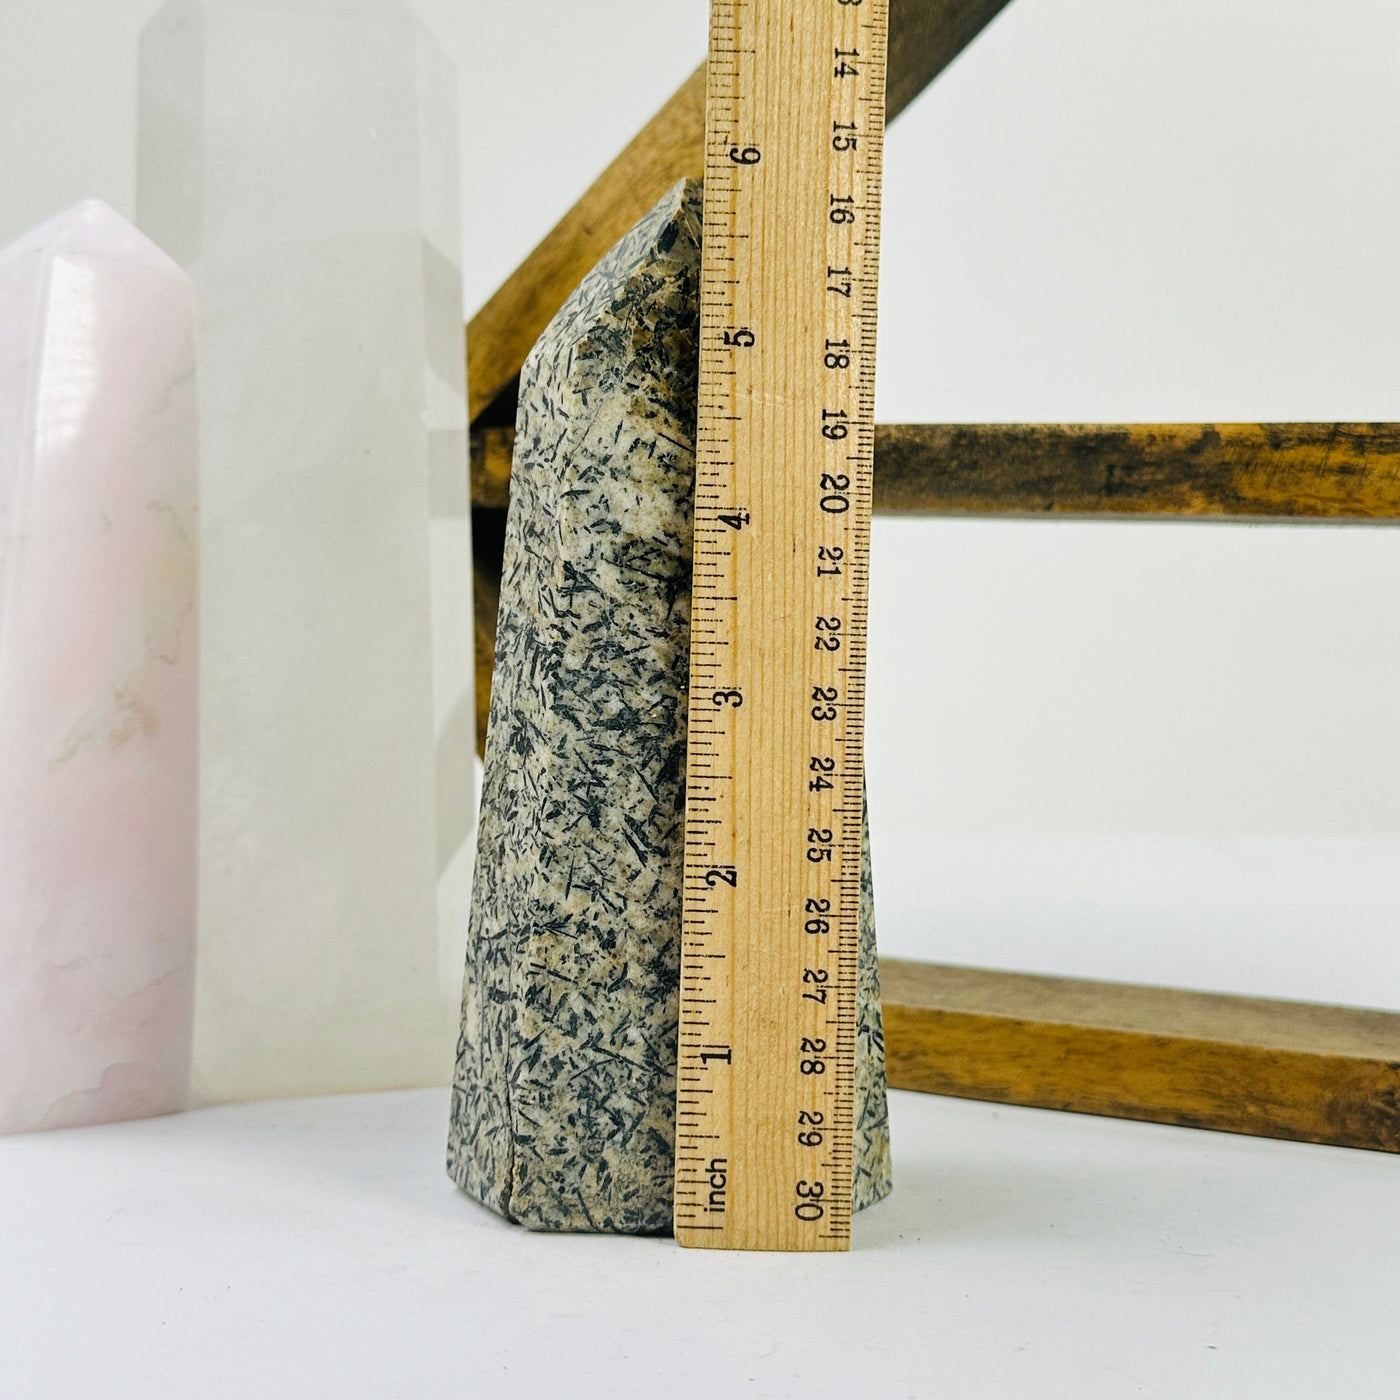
<point x="766" y="1091"/>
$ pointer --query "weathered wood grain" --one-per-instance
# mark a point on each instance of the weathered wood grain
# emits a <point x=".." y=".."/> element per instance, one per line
<point x="486" y="582"/>
<point x="1294" y="1070"/>
<point x="492" y="450"/>
<point x="1298" y="471"/>
<point x="925" y="36"/>
<point x="1250" y="471"/>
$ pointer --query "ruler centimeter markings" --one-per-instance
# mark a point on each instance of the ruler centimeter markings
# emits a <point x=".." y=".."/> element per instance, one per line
<point x="766" y="1093"/>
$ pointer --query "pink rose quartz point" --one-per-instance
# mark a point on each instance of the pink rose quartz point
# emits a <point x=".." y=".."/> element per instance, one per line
<point x="98" y="675"/>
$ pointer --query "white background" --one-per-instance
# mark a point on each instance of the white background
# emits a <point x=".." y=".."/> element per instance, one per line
<point x="1095" y="748"/>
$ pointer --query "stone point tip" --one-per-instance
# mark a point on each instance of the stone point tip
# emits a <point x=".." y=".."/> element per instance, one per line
<point x="93" y="227"/>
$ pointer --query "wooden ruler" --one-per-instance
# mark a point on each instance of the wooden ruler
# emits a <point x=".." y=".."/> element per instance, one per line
<point x="766" y="1075"/>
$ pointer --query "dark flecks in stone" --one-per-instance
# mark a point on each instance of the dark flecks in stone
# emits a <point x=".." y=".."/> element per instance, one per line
<point x="563" y="1103"/>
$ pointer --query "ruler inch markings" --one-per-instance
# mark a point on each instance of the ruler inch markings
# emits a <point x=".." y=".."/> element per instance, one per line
<point x="793" y="146"/>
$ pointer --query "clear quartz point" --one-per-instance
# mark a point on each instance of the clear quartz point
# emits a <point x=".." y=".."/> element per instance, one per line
<point x="299" y="157"/>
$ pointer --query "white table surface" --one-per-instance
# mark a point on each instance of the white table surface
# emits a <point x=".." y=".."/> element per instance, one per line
<point x="315" y="1248"/>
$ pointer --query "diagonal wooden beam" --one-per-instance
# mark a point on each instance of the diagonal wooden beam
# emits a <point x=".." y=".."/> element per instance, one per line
<point x="1282" y="1069"/>
<point x="925" y="36"/>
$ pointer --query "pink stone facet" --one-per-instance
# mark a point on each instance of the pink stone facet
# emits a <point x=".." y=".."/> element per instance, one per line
<point x="98" y="675"/>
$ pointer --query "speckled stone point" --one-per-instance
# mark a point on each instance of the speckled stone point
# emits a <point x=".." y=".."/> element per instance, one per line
<point x="563" y="1105"/>
<point x="300" y="158"/>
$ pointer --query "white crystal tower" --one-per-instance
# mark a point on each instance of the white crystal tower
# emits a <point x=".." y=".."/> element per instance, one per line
<point x="299" y="157"/>
<point x="98" y="675"/>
